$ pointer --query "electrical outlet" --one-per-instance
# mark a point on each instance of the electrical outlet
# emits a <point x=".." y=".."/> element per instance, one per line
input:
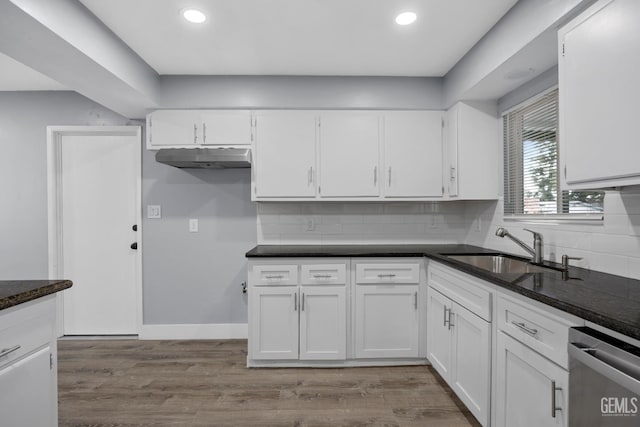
<point x="193" y="225"/>
<point x="154" y="211"/>
<point x="311" y="225"/>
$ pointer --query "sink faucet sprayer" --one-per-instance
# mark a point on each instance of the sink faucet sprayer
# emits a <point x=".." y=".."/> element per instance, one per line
<point x="538" y="245"/>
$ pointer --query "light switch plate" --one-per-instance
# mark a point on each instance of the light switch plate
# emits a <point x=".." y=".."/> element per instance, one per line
<point x="154" y="211"/>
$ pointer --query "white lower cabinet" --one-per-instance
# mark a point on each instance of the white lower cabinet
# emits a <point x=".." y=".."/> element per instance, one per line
<point x="274" y="322"/>
<point x="386" y="323"/>
<point x="459" y="348"/>
<point x="531" y="390"/>
<point x="336" y="312"/>
<point x="323" y="323"/>
<point x="28" y="369"/>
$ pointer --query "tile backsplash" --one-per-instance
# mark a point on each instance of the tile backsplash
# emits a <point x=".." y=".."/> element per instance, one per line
<point x="611" y="246"/>
<point x="361" y="223"/>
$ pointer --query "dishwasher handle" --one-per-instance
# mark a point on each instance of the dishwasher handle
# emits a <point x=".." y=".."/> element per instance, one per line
<point x="607" y="365"/>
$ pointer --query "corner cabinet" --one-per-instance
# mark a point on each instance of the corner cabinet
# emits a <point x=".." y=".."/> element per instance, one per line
<point x="198" y="128"/>
<point x="28" y="364"/>
<point x="459" y="336"/>
<point x="599" y="86"/>
<point x="473" y="151"/>
<point x="336" y="312"/>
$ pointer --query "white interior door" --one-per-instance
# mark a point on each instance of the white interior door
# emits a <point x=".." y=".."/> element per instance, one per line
<point x="99" y="206"/>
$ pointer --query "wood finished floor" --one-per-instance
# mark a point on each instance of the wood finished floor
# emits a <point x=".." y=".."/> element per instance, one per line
<point x="206" y="383"/>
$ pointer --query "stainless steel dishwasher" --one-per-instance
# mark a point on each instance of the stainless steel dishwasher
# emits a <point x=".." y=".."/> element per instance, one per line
<point x="604" y="380"/>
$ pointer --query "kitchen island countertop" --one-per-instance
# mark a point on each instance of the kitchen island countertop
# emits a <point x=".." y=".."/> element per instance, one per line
<point x="605" y="299"/>
<point x="14" y="292"/>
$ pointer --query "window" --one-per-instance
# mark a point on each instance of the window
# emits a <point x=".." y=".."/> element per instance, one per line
<point x="531" y="184"/>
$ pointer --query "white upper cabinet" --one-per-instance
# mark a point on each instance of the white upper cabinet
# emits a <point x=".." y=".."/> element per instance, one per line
<point x="196" y="128"/>
<point x="172" y="128"/>
<point x="599" y="88"/>
<point x="349" y="154"/>
<point x="285" y="154"/>
<point x="226" y="127"/>
<point x="412" y="154"/>
<point x="473" y="151"/>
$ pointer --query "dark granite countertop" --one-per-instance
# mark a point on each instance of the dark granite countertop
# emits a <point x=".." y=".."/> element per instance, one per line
<point x="605" y="299"/>
<point x="14" y="292"/>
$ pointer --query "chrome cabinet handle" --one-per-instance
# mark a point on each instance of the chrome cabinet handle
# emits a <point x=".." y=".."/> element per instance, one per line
<point x="277" y="276"/>
<point x="415" y="300"/>
<point x="554" y="407"/>
<point x="445" y="316"/>
<point x="375" y="175"/>
<point x="322" y="276"/>
<point x="310" y="176"/>
<point x="302" y="303"/>
<point x="195" y="133"/>
<point x="391" y="275"/>
<point x="389" y="176"/>
<point x="452" y="173"/>
<point x="8" y="351"/>
<point x="295" y="302"/>
<point x="204" y="133"/>
<point x="451" y="325"/>
<point x="525" y="328"/>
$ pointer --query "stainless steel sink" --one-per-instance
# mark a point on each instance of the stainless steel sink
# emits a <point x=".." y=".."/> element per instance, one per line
<point x="500" y="264"/>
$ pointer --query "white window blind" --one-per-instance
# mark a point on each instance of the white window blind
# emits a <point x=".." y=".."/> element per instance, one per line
<point x="531" y="184"/>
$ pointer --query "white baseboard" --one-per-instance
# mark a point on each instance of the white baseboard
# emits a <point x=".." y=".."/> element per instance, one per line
<point x="213" y="331"/>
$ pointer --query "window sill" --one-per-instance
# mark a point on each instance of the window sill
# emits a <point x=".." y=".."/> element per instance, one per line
<point x="594" y="219"/>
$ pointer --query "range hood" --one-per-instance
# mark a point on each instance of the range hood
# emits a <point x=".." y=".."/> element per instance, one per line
<point x="211" y="158"/>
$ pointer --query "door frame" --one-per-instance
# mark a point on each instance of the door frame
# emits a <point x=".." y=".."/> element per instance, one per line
<point x="54" y="206"/>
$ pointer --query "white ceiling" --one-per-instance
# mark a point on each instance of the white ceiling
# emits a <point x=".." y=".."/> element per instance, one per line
<point x="16" y="76"/>
<point x="301" y="37"/>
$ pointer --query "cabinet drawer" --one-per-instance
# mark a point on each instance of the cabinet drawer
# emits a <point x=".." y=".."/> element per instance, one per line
<point x="22" y="333"/>
<point x="265" y="275"/>
<point x="461" y="288"/>
<point x="387" y="273"/>
<point x="543" y="331"/>
<point x="321" y="274"/>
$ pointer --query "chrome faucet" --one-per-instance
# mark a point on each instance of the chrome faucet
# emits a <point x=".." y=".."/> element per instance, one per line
<point x="536" y="252"/>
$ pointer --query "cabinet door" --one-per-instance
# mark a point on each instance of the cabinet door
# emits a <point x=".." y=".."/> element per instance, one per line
<point x="450" y="176"/>
<point x="471" y="361"/>
<point x="173" y="127"/>
<point x="599" y="90"/>
<point x="226" y="127"/>
<point x="349" y="145"/>
<point x="26" y="389"/>
<point x="274" y="322"/>
<point x="285" y="154"/>
<point x="439" y="333"/>
<point x="413" y="154"/>
<point x="473" y="152"/>
<point x="525" y="390"/>
<point x="386" y="321"/>
<point x="323" y="323"/>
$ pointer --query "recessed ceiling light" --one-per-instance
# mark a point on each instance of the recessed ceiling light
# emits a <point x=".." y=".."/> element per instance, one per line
<point x="406" y="18"/>
<point x="194" y="15"/>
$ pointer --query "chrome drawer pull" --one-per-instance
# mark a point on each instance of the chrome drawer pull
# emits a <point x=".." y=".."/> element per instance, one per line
<point x="554" y="408"/>
<point x="446" y="318"/>
<point x="382" y="276"/>
<point x="322" y="276"/>
<point x="279" y="276"/>
<point x="525" y="328"/>
<point x="8" y="351"/>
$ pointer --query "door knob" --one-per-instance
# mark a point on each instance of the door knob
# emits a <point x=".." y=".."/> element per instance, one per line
<point x="134" y="245"/>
